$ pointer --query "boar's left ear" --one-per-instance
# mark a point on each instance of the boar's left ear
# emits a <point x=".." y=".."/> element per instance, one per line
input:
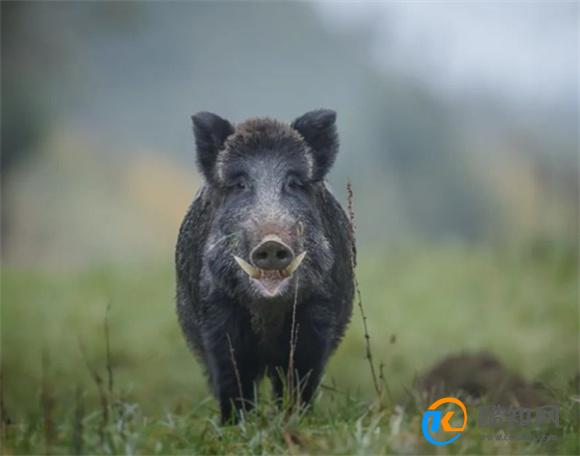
<point x="319" y="131"/>
<point x="210" y="133"/>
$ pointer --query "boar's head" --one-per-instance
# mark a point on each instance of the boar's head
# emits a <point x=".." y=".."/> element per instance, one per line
<point x="265" y="183"/>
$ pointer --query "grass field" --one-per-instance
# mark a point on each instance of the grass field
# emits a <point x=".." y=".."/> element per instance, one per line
<point x="422" y="304"/>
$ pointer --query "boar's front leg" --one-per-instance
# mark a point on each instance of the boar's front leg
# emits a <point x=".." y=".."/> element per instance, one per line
<point x="233" y="367"/>
<point x="312" y="349"/>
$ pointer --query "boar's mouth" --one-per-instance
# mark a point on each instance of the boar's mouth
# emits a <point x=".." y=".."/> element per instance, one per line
<point x="270" y="281"/>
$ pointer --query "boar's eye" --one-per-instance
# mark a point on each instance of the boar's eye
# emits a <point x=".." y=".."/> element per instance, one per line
<point x="294" y="183"/>
<point x="240" y="184"/>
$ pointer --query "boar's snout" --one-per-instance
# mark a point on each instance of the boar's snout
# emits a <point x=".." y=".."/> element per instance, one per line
<point x="272" y="254"/>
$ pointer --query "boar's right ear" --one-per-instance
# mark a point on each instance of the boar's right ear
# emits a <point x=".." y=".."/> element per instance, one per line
<point x="319" y="131"/>
<point x="210" y="133"/>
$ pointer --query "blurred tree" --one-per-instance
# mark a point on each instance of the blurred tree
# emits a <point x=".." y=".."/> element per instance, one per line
<point x="23" y="117"/>
<point x="19" y="113"/>
<point x="37" y="49"/>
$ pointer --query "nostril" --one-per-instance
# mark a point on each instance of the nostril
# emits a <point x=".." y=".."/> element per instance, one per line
<point x="282" y="254"/>
<point x="262" y="255"/>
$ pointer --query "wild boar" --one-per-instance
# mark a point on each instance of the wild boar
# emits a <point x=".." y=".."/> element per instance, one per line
<point x="264" y="248"/>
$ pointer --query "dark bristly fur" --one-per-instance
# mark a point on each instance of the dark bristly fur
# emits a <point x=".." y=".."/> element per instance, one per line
<point x="263" y="177"/>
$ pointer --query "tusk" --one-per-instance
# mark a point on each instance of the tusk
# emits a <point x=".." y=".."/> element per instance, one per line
<point x="248" y="268"/>
<point x="295" y="264"/>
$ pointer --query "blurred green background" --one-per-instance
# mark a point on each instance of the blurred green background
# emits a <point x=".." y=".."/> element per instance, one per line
<point x="459" y="133"/>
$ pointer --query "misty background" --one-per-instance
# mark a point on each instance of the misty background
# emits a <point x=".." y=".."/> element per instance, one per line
<point x="457" y="121"/>
<point x="458" y="124"/>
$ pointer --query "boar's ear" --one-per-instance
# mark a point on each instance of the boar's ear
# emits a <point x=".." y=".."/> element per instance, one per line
<point x="210" y="133"/>
<point x="319" y="131"/>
